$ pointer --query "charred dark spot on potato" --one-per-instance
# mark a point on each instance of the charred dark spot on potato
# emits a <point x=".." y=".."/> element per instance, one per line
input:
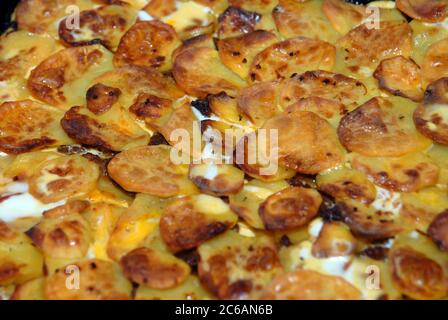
<point x="100" y="98"/>
<point x="202" y="105"/>
<point x="375" y="252"/>
<point x="148" y="107"/>
<point x="438" y="230"/>
<point x="157" y="138"/>
<point x="236" y="21"/>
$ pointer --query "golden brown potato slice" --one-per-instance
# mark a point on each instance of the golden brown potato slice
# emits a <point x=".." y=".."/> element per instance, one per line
<point x="435" y="61"/>
<point x="431" y="117"/>
<point x="438" y="230"/>
<point x="191" y="71"/>
<point x="20" y="260"/>
<point x="381" y="128"/>
<point x="408" y="173"/>
<point x="261" y="6"/>
<point x="287" y="58"/>
<point x="226" y="108"/>
<point x="27" y="125"/>
<point x="342" y="15"/>
<point x="365" y="47"/>
<point x="292" y="19"/>
<point x="63" y="177"/>
<point x="101" y="98"/>
<point x="370" y="221"/>
<point x="187" y="222"/>
<point x="40" y="16"/>
<point x="149" y="169"/>
<point x="401" y="77"/>
<point x="290" y="208"/>
<point x="416" y="275"/>
<point x="306" y="142"/>
<point x="63" y="232"/>
<point x="30" y="290"/>
<point x="105" y="25"/>
<point x="216" y="179"/>
<point x="147" y="43"/>
<point x="334" y="240"/>
<point x="160" y="8"/>
<point x="310" y="285"/>
<point x="236" y="21"/>
<point x="234" y="266"/>
<point x="237" y="53"/>
<point x="19" y="168"/>
<point x="347" y="184"/>
<point x="112" y="130"/>
<point x="201" y="41"/>
<point x="154" y="269"/>
<point x="57" y="80"/>
<point x="259" y="102"/>
<point x="332" y="86"/>
<point x="425" y="10"/>
<point x="98" y="280"/>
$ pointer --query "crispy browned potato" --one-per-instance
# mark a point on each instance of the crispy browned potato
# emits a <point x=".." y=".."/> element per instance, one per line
<point x="28" y="125"/>
<point x="307" y="143"/>
<point x="416" y="275"/>
<point x="259" y="102"/>
<point x="160" y="8"/>
<point x="237" y="53"/>
<point x="113" y="130"/>
<point x="105" y="25"/>
<point x="236" y="21"/>
<point x="201" y="41"/>
<point x="333" y="86"/>
<point x="147" y="43"/>
<point x="217" y="179"/>
<point x="342" y="15"/>
<point x="366" y="47"/>
<point x="189" y="221"/>
<point x="261" y="6"/>
<point x="334" y="240"/>
<point x="20" y="260"/>
<point x="292" y="19"/>
<point x="401" y="77"/>
<point x="226" y="107"/>
<point x="234" y="266"/>
<point x="290" y="208"/>
<point x="30" y="290"/>
<point x="101" y="98"/>
<point x="287" y="58"/>
<point x="149" y="169"/>
<point x="152" y="110"/>
<point x="154" y="269"/>
<point x="52" y="80"/>
<point x="63" y="178"/>
<point x="408" y="173"/>
<point x="438" y="230"/>
<point x="327" y="109"/>
<point x="435" y="61"/>
<point x="98" y="280"/>
<point x="191" y="71"/>
<point x="368" y="222"/>
<point x="425" y="10"/>
<point x="310" y="285"/>
<point x="430" y="116"/>
<point x="380" y="128"/>
<point x="347" y="184"/>
<point x="63" y="232"/>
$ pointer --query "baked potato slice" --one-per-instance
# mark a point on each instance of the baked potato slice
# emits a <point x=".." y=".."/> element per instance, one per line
<point x="365" y="47"/>
<point x="104" y="25"/>
<point x="63" y="178"/>
<point x="98" y="280"/>
<point x="306" y="142"/>
<point x="62" y="79"/>
<point x="261" y="6"/>
<point x="310" y="285"/>
<point x="401" y="77"/>
<point x="154" y="269"/>
<point x="425" y="10"/>
<point x="160" y="8"/>
<point x="20" y="260"/>
<point x="438" y="230"/>
<point x="189" y="221"/>
<point x="30" y="290"/>
<point x="63" y="233"/>
<point x="149" y="169"/>
<point x="237" y="53"/>
<point x="290" y="208"/>
<point x="28" y="125"/>
<point x="147" y="43"/>
<point x="19" y="168"/>
<point x="226" y="108"/>
<point x="191" y="70"/>
<point x="230" y="270"/>
<point x="408" y="173"/>
<point x="430" y="117"/>
<point x="435" y="61"/>
<point x="343" y="16"/>
<point x="235" y="21"/>
<point x="381" y="128"/>
<point x="289" y="57"/>
<point x="334" y="240"/>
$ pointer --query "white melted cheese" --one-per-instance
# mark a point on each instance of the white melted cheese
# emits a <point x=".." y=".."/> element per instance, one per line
<point x="22" y="204"/>
<point x="387" y="201"/>
<point x="144" y="16"/>
<point x="187" y="14"/>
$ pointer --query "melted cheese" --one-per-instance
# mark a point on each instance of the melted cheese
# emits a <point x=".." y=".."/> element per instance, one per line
<point x="187" y="15"/>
